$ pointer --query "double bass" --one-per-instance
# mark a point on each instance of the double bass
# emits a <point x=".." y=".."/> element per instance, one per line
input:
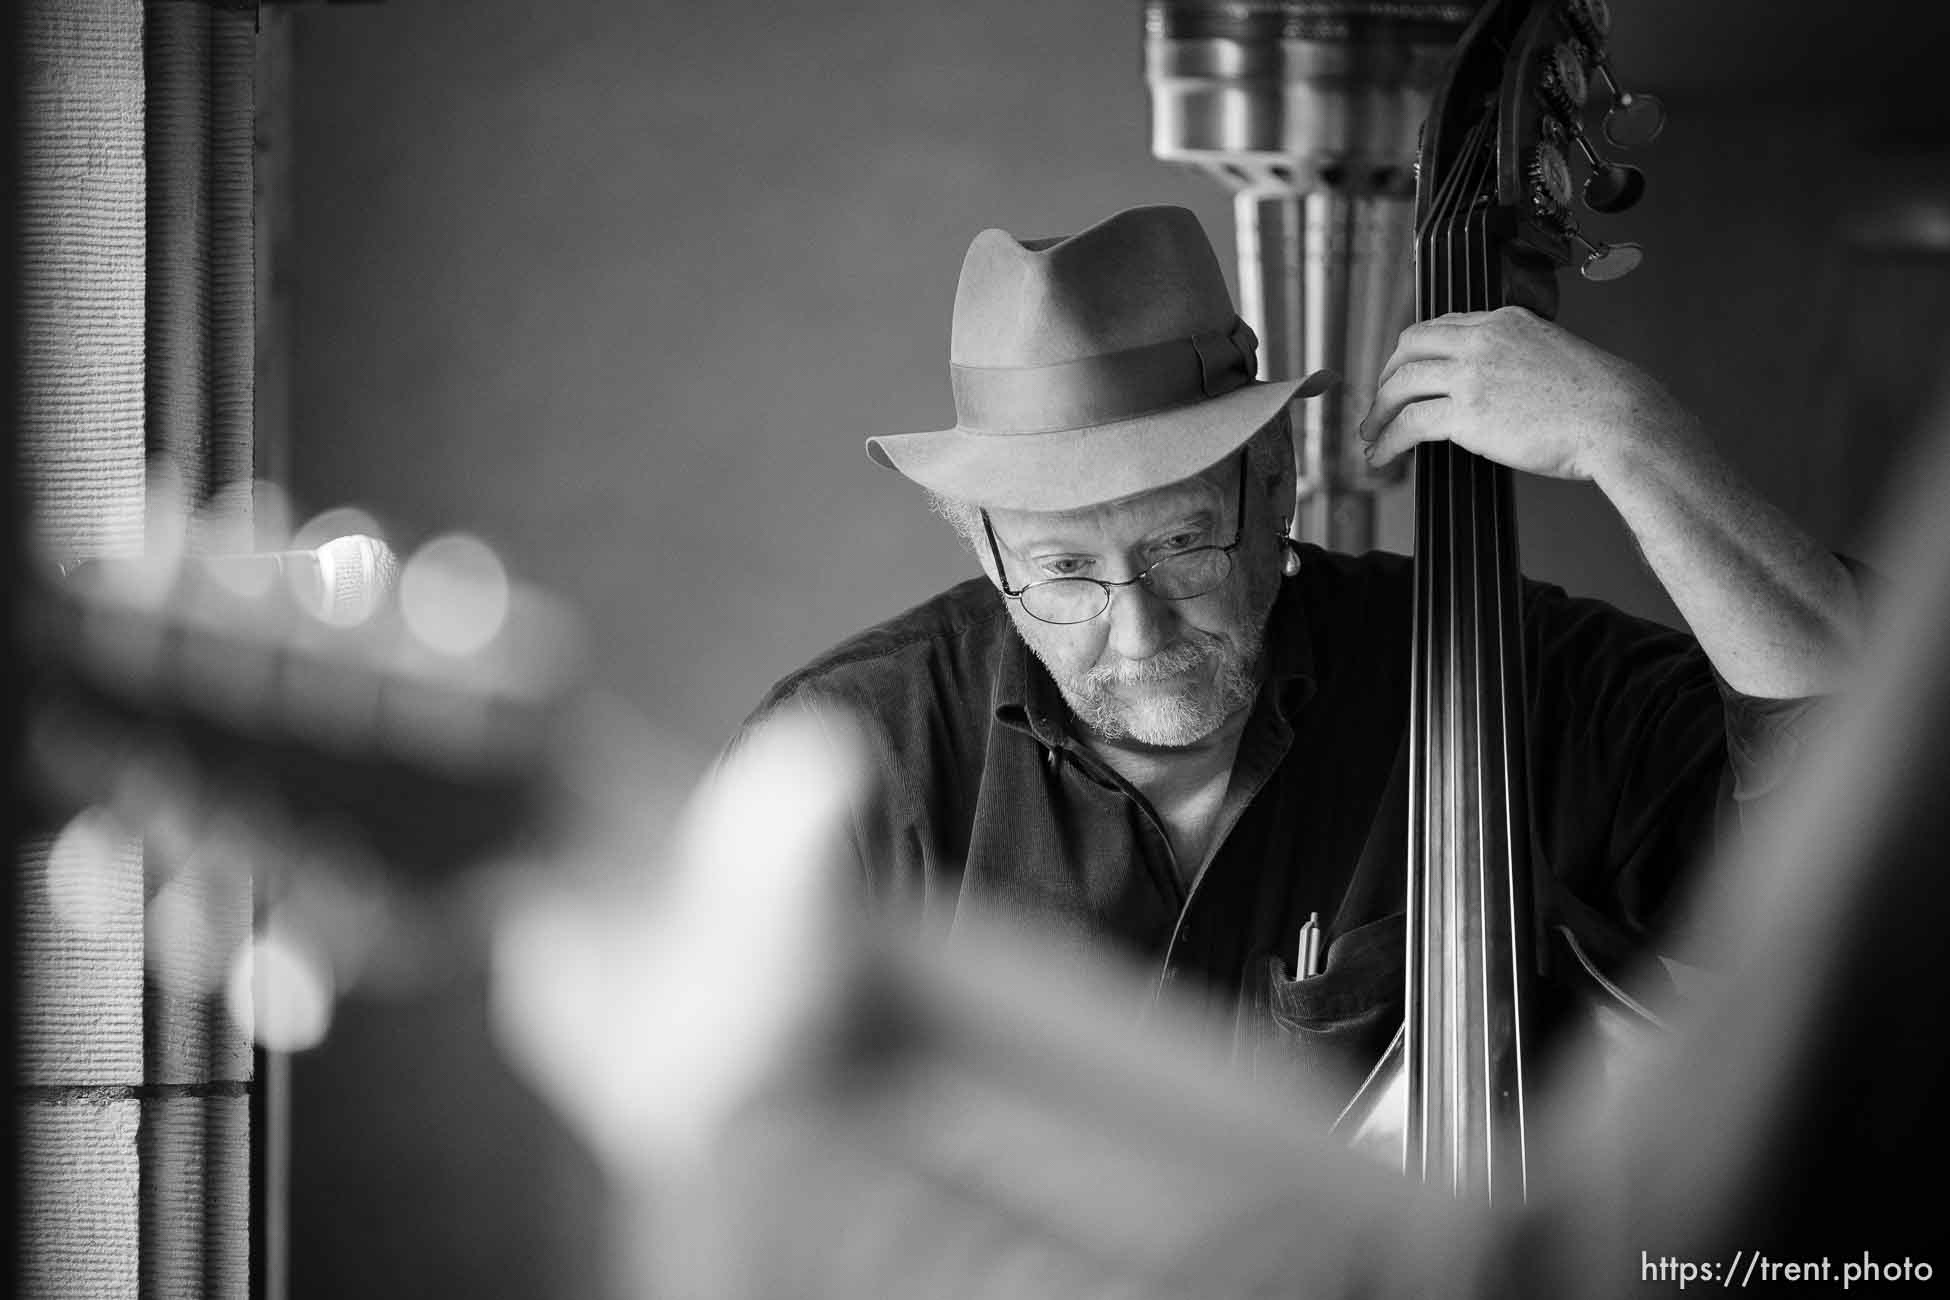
<point x="1493" y="226"/>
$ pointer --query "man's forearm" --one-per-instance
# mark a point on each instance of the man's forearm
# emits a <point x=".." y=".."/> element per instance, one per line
<point x="1776" y="612"/>
<point x="1778" y="615"/>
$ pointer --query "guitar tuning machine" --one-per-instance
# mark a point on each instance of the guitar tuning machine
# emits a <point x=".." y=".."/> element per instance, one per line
<point x="1632" y="121"/>
<point x="1550" y="199"/>
<point x="1611" y="187"/>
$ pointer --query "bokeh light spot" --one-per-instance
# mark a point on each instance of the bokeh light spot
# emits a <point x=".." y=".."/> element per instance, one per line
<point x="453" y="594"/>
<point x="94" y="884"/>
<point x="281" y="988"/>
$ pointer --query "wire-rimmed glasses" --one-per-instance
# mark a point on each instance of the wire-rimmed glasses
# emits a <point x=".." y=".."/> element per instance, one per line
<point x="1178" y="576"/>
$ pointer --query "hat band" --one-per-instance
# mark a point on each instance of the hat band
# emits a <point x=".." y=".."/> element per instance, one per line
<point x="1103" y="389"/>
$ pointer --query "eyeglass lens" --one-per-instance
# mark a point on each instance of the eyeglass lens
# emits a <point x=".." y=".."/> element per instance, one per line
<point x="1177" y="577"/>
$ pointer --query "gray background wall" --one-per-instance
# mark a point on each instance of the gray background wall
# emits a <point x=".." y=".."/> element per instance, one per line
<point x="620" y="287"/>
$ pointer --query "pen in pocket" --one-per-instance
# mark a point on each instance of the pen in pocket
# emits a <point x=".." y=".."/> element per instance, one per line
<point x="1306" y="961"/>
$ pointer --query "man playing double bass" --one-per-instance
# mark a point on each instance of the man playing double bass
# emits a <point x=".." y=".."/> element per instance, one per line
<point x="1159" y="727"/>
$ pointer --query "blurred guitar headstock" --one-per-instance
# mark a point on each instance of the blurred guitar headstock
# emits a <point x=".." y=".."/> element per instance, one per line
<point x="424" y="781"/>
<point x="426" y="730"/>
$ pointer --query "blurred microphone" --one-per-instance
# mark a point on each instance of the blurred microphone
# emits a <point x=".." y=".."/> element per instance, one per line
<point x="343" y="581"/>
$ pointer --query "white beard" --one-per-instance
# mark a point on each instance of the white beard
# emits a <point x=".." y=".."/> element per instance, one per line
<point x="1193" y="706"/>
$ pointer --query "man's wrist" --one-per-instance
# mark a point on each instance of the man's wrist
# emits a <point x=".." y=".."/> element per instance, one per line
<point x="1654" y="438"/>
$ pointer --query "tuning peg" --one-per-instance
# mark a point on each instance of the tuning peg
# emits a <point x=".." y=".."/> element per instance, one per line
<point x="1633" y="120"/>
<point x="1603" y="262"/>
<point x="1550" y="200"/>
<point x="1612" y="187"/>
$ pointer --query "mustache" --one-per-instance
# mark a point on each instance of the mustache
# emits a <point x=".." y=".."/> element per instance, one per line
<point x="1173" y="661"/>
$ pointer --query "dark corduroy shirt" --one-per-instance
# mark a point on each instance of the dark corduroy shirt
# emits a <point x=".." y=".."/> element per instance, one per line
<point x="1640" y="756"/>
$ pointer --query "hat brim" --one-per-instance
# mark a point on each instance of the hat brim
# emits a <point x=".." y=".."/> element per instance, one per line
<point x="1074" y="468"/>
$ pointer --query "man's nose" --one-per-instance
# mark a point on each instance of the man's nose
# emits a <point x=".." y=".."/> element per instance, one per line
<point x="1141" y="624"/>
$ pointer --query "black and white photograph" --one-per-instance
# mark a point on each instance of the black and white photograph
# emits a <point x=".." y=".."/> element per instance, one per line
<point x="1226" y="649"/>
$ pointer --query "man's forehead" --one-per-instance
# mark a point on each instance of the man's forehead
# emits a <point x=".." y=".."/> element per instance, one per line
<point x="1156" y="505"/>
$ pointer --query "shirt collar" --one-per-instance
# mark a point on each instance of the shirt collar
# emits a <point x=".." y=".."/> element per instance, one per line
<point x="1026" y="697"/>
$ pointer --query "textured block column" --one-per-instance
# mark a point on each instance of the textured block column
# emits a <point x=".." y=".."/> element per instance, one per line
<point x="177" y="126"/>
<point x="82" y="263"/>
<point x="136" y="337"/>
<point x="82" y="260"/>
<point x="195" y="1135"/>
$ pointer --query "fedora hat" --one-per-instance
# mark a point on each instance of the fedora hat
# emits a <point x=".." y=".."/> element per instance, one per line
<point x="1092" y="366"/>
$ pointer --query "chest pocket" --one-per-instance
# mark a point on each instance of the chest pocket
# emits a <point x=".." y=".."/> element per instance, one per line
<point x="1321" y="1035"/>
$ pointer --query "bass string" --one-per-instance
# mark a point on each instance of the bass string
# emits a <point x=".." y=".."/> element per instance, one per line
<point x="1496" y="602"/>
<point x="1503" y="733"/>
<point x="1486" y="692"/>
<point x="1443" y="201"/>
<point x="1463" y="484"/>
<point x="1437" y="290"/>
